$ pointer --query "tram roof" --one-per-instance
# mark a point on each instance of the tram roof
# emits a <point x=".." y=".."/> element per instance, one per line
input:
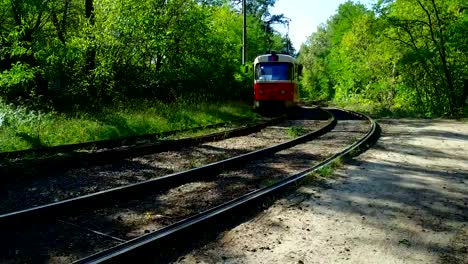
<point x="281" y="58"/>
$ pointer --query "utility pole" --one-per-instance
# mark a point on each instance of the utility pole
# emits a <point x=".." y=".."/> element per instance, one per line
<point x="287" y="35"/>
<point x="244" y="33"/>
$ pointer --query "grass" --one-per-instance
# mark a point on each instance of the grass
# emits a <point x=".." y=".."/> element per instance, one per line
<point x="380" y="110"/>
<point x="21" y="128"/>
<point x="296" y="131"/>
<point x="318" y="175"/>
<point x="329" y="170"/>
<point x="338" y="163"/>
<point x="324" y="172"/>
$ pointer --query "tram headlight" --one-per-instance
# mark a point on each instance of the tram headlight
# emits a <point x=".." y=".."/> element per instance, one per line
<point x="283" y="92"/>
<point x="260" y="92"/>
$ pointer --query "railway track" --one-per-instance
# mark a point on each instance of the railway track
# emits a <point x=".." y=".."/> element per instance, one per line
<point x="120" y="248"/>
<point x="28" y="192"/>
<point x="34" y="162"/>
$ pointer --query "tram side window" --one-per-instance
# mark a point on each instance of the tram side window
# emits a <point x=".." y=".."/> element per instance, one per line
<point x="274" y="72"/>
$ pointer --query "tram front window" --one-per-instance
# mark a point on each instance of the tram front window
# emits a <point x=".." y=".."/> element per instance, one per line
<point x="274" y="72"/>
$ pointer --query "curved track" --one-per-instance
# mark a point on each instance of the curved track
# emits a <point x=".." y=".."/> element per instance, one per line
<point x="197" y="222"/>
<point x="145" y="245"/>
<point x="103" y="198"/>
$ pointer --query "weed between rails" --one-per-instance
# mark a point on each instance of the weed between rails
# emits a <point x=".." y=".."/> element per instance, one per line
<point x="324" y="172"/>
<point x="296" y="131"/>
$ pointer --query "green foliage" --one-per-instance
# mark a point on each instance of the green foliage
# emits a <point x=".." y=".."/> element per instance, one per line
<point x="296" y="131"/>
<point x="338" y="163"/>
<point x="325" y="171"/>
<point x="405" y="55"/>
<point x="21" y="128"/>
<point x="70" y="55"/>
<point x="19" y="76"/>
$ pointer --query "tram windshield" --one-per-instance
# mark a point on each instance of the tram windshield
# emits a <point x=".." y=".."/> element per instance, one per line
<point x="278" y="71"/>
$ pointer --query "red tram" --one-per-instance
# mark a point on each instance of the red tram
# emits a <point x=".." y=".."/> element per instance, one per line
<point x="276" y="81"/>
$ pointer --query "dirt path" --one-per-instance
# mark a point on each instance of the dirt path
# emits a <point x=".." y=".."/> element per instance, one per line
<point x="403" y="201"/>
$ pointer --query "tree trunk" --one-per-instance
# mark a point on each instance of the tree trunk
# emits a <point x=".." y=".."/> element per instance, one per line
<point x="465" y="94"/>
<point x="90" y="52"/>
<point x="439" y="42"/>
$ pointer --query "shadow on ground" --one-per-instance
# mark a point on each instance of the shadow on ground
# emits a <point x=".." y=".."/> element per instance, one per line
<point x="410" y="191"/>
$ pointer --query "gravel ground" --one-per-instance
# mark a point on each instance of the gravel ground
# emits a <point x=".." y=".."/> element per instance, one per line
<point x="135" y="218"/>
<point x="138" y="217"/>
<point x="23" y="193"/>
<point x="48" y="242"/>
<point x="403" y="201"/>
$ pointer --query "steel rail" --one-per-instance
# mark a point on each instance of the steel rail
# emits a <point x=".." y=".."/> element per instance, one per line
<point x="74" y="159"/>
<point x="98" y="199"/>
<point x="138" y="246"/>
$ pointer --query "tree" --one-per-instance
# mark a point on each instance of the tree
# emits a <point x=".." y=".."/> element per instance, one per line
<point x="410" y="54"/>
<point x="72" y="54"/>
<point x="427" y="30"/>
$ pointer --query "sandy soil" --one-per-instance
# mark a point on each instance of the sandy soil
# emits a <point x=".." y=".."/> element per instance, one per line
<point x="403" y="201"/>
